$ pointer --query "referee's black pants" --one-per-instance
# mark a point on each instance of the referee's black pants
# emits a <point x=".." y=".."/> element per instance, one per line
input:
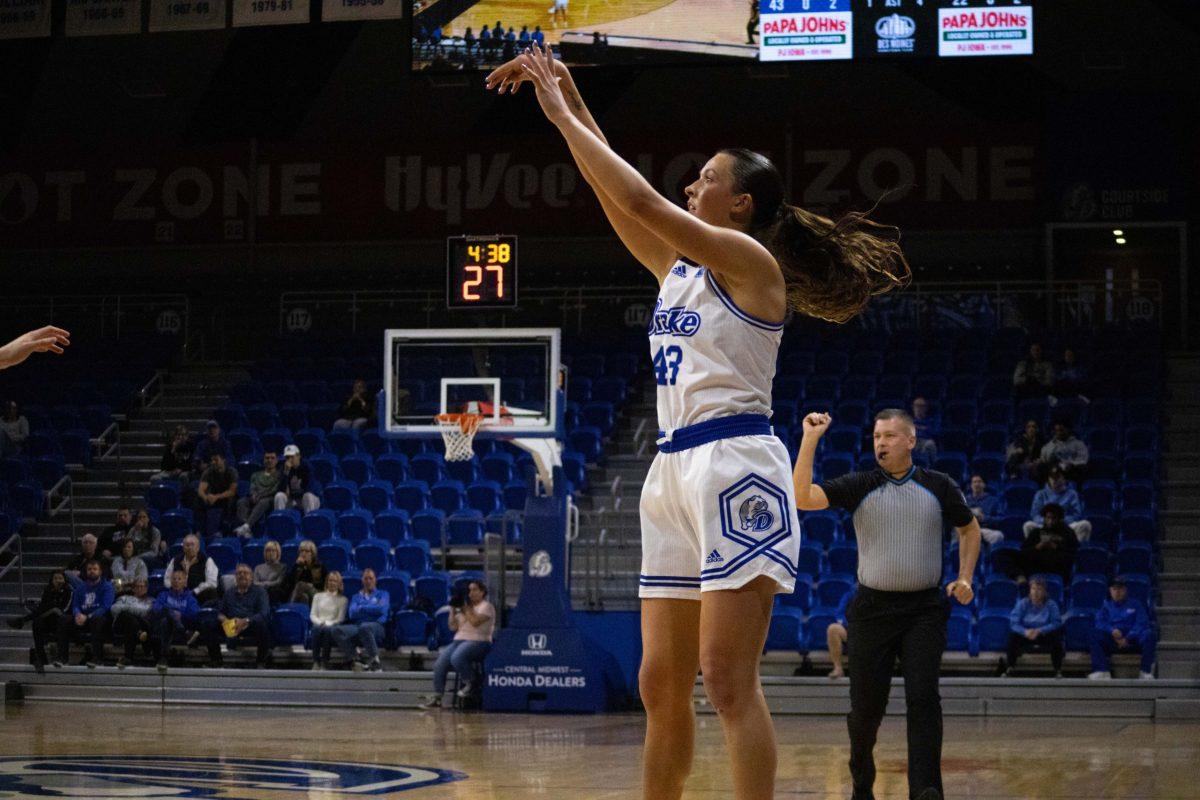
<point x="882" y="627"/>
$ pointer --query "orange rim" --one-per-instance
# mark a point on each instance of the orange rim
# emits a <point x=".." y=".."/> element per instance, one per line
<point x="467" y="423"/>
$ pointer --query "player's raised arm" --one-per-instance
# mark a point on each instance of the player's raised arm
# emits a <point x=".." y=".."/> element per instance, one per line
<point x="723" y="250"/>
<point x="43" y="340"/>
<point x="646" y="246"/>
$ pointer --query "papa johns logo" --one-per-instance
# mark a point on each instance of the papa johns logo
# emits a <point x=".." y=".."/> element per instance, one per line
<point x="540" y="565"/>
<point x="755" y="514"/>
<point x="163" y="777"/>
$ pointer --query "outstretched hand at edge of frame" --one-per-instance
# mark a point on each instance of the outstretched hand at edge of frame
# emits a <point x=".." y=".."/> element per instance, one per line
<point x="43" y="340"/>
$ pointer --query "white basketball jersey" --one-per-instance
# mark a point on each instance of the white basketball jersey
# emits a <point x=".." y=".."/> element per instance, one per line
<point x="711" y="359"/>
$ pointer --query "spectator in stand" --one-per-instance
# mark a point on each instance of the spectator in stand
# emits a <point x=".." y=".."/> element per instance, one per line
<point x="435" y="40"/>
<point x="212" y="442"/>
<point x="296" y="485"/>
<point x="270" y="573"/>
<point x="216" y="497"/>
<point x="87" y="552"/>
<point x="55" y="602"/>
<point x="130" y="620"/>
<point x="365" y="620"/>
<point x="1122" y="626"/>
<point x="328" y="611"/>
<point x="836" y="636"/>
<point x="14" y="430"/>
<point x="88" y="615"/>
<point x="358" y="411"/>
<point x="469" y="40"/>
<point x="538" y="36"/>
<point x="110" y="535"/>
<point x="472" y="622"/>
<point x="1071" y="377"/>
<point x="147" y="539"/>
<point x="1061" y="494"/>
<point x="509" y="51"/>
<point x="485" y="41"/>
<point x="1025" y="452"/>
<point x="306" y="577"/>
<point x="1034" y="375"/>
<point x="174" y="614"/>
<point x="1035" y="625"/>
<point x="498" y="33"/>
<point x="200" y="571"/>
<point x="177" y="459"/>
<point x="523" y="38"/>
<point x="1066" y="452"/>
<point x="1050" y="547"/>
<point x="264" y="485"/>
<point x="127" y="568"/>
<point x="243" y="615"/>
<point x="986" y="507"/>
<point x="928" y="426"/>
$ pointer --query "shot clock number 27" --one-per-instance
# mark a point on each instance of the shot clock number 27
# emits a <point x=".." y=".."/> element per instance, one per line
<point x="481" y="272"/>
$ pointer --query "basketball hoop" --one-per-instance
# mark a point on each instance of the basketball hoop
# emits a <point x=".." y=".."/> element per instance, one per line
<point x="458" y="432"/>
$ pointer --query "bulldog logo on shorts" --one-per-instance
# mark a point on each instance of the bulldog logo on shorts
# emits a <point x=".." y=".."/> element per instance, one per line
<point x="755" y="514"/>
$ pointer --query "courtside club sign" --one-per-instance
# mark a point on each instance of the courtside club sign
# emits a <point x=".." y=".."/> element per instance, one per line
<point x="805" y="30"/>
<point x="985" y="32"/>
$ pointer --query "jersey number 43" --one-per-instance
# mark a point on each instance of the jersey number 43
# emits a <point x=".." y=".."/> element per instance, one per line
<point x="666" y="364"/>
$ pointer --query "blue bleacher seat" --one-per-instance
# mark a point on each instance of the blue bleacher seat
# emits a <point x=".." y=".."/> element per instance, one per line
<point x="375" y="496"/>
<point x="1136" y="526"/>
<point x="832" y="587"/>
<point x="397" y="584"/>
<point x="263" y="416"/>
<point x="989" y="465"/>
<point x="1099" y="497"/>
<point x="1104" y="439"/>
<point x="434" y="587"/>
<point x="958" y="630"/>
<point x="1137" y="497"/>
<point x="991" y="438"/>
<point x="816" y="626"/>
<point x="311" y="441"/>
<point x="357" y="467"/>
<point x="412" y="496"/>
<point x="290" y="624"/>
<point x="843" y="558"/>
<point x="853" y="412"/>
<point x="175" y="524"/>
<point x="465" y="471"/>
<point x="324" y="467"/>
<point x="371" y="442"/>
<point x="225" y="553"/>
<point x="515" y="494"/>
<point x="836" y="465"/>
<point x="392" y="525"/>
<point x="811" y="558"/>
<point x="1092" y="559"/>
<point x="163" y="496"/>
<point x="392" y="467"/>
<point x="412" y="557"/>
<point x="587" y="441"/>
<point x="427" y="526"/>
<point x="231" y="416"/>
<point x="282" y="526"/>
<point x="999" y="593"/>
<point x="355" y="525"/>
<point x="1077" y="631"/>
<point x="485" y="496"/>
<point x="294" y="416"/>
<point x="334" y="554"/>
<point x="954" y="465"/>
<point x="960" y="413"/>
<point x="339" y="496"/>
<point x="428" y="467"/>
<point x="996" y="412"/>
<point x="893" y="385"/>
<point x="318" y="525"/>
<point x="1141" y="437"/>
<point x="448" y="496"/>
<point x="1135" y="558"/>
<point x="497" y="467"/>
<point x="1139" y="465"/>
<point x="801" y="596"/>
<point x="820" y="527"/>
<point x="411" y="628"/>
<point x="465" y="528"/>
<point x="373" y="554"/>
<point x="785" y="629"/>
<point x="1018" y="495"/>
<point x="991" y="631"/>
<point x="1088" y="592"/>
<point x="844" y="438"/>
<point x="252" y="552"/>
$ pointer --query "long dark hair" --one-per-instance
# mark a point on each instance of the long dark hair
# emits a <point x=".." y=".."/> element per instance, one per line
<point x="831" y="268"/>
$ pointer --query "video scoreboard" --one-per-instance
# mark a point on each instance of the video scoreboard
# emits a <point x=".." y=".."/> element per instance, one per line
<point x="824" y="30"/>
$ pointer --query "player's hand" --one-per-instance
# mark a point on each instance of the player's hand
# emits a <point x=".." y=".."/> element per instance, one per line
<point x="44" y="340"/>
<point x="816" y="424"/>
<point x="538" y="66"/>
<point x="509" y="76"/>
<point x="961" y="591"/>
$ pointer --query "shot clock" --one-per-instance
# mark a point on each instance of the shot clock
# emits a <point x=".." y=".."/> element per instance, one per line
<point x="481" y="272"/>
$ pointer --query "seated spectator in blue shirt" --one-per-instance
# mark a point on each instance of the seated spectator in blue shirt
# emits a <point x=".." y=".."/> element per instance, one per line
<point x="243" y="615"/>
<point x="1122" y="626"/>
<point x="836" y="637"/>
<point x="523" y="37"/>
<point x="538" y="36"/>
<point x="485" y="39"/>
<point x="174" y="613"/>
<point x="928" y="427"/>
<point x="368" y="613"/>
<point x="1035" y="625"/>
<point x="1058" y="492"/>
<point x="89" y="615"/>
<point x="986" y="507"/>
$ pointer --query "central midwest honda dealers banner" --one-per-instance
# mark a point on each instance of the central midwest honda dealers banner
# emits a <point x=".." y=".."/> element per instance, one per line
<point x="131" y="196"/>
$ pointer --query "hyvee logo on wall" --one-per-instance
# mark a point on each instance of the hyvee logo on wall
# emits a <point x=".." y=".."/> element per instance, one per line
<point x="894" y="34"/>
<point x="163" y="777"/>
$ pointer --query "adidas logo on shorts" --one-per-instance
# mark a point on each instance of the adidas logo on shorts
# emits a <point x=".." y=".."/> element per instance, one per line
<point x="714" y="558"/>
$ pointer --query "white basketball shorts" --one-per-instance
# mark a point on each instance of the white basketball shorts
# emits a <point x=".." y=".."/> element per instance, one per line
<point x="718" y="515"/>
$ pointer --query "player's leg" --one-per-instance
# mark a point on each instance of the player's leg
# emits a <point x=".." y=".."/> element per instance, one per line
<point x="670" y="661"/>
<point x="733" y="630"/>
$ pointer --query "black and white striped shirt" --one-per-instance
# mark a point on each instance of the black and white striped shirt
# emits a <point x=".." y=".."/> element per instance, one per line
<point x="899" y="523"/>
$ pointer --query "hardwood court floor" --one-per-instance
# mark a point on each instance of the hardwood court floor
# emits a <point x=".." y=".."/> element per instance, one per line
<point x="511" y="757"/>
<point x="702" y="20"/>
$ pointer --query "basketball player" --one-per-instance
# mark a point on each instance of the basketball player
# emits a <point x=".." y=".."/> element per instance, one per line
<point x="720" y="536"/>
<point x="44" y="340"/>
<point x="559" y="7"/>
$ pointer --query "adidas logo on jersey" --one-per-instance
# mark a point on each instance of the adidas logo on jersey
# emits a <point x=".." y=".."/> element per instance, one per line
<point x="714" y="558"/>
<point x="680" y="270"/>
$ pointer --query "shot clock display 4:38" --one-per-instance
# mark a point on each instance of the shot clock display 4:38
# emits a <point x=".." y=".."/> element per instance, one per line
<point x="481" y="272"/>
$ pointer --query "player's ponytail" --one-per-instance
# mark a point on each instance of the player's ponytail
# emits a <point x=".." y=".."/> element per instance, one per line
<point x="831" y="268"/>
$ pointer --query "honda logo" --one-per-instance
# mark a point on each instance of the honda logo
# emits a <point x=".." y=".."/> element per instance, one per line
<point x="537" y="641"/>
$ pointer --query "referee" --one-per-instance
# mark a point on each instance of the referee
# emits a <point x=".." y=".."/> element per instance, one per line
<point x="900" y="611"/>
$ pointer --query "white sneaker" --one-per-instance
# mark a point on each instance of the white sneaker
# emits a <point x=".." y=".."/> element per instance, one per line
<point x="1146" y="676"/>
<point x="243" y="531"/>
<point x="465" y="690"/>
<point x="1099" y="676"/>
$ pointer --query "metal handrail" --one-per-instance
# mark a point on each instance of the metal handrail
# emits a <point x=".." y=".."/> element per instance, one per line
<point x="64" y="490"/>
<point x="14" y="542"/>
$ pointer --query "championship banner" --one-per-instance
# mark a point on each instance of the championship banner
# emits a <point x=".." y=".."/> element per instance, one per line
<point x="186" y="15"/>
<point x="342" y="10"/>
<point x="247" y="13"/>
<point x="985" y="31"/>
<point x="103" y="17"/>
<point x="24" y="19"/>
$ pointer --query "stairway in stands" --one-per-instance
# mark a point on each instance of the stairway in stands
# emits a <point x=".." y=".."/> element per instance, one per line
<point x="1179" y="581"/>
<point x="183" y="396"/>
<point x="615" y="513"/>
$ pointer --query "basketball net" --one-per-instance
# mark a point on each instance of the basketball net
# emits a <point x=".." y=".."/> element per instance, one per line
<point x="458" y="434"/>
